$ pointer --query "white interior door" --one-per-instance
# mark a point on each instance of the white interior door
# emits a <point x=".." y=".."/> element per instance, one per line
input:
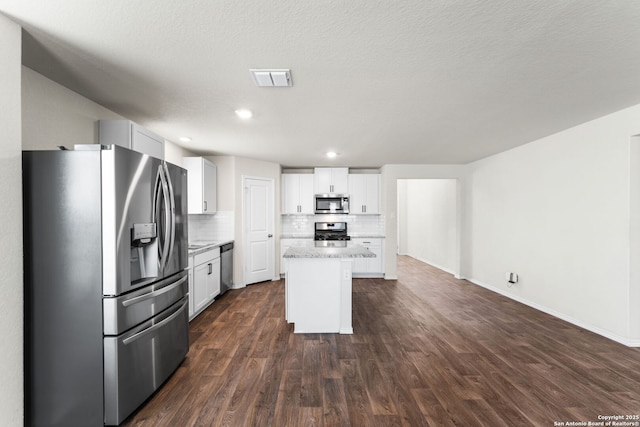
<point x="258" y="228"/>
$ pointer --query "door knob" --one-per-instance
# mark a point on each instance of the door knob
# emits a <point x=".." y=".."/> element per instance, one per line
<point x="269" y="235"/>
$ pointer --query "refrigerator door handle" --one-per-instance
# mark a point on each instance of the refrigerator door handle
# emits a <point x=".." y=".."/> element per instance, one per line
<point x="157" y="190"/>
<point x="161" y="197"/>
<point x="158" y="325"/>
<point x="172" y="202"/>
<point x="154" y="294"/>
<point x="167" y="220"/>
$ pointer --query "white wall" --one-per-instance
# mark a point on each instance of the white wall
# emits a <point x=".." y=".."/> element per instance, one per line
<point x="11" y="271"/>
<point x="53" y="115"/>
<point x="427" y="221"/>
<point x="173" y="153"/>
<point x="634" y="239"/>
<point x="556" y="211"/>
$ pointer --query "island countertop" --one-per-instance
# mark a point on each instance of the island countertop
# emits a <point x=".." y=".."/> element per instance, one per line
<point x="310" y="250"/>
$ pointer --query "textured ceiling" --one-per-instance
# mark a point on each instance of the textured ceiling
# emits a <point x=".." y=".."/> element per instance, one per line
<point x="380" y="82"/>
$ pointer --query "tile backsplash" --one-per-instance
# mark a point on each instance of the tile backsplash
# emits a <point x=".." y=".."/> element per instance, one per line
<point x="301" y="225"/>
<point x="221" y="225"/>
<point x="211" y="227"/>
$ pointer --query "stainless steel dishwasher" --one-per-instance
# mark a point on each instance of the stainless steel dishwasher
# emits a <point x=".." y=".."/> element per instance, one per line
<point x="226" y="267"/>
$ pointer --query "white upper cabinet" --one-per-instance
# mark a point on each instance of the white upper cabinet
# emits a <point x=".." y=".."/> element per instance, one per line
<point x="297" y="193"/>
<point x="331" y="180"/>
<point x="364" y="193"/>
<point x="201" y="185"/>
<point x="131" y="135"/>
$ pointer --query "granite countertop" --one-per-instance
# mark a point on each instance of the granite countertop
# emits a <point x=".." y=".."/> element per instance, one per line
<point x="201" y="246"/>
<point x="313" y="251"/>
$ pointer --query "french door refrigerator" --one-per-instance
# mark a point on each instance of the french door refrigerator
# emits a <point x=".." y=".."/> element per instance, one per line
<point x="106" y="292"/>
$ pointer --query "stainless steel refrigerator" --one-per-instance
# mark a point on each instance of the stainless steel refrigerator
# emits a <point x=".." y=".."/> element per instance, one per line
<point x="106" y="292"/>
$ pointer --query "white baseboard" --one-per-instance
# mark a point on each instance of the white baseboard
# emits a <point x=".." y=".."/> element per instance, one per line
<point x="367" y="275"/>
<point x="433" y="264"/>
<point x="622" y="340"/>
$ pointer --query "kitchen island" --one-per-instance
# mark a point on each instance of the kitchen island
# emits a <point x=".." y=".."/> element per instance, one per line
<point x="318" y="286"/>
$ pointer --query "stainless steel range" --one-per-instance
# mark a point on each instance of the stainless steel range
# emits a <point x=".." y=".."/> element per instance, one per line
<point x="331" y="234"/>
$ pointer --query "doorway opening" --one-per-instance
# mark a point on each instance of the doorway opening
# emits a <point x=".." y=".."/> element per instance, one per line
<point x="428" y="222"/>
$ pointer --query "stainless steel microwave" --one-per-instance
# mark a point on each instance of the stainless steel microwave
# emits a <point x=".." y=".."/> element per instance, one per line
<point x="331" y="204"/>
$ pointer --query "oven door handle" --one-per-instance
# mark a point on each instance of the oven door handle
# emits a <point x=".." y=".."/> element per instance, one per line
<point x="149" y="330"/>
<point x="127" y="303"/>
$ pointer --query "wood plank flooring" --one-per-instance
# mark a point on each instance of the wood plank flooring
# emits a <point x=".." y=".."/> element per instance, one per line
<point x="427" y="350"/>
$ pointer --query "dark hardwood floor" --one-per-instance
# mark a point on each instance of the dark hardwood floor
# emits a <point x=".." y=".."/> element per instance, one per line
<point x="427" y="350"/>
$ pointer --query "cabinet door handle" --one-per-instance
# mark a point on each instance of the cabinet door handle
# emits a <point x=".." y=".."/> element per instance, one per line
<point x="365" y="208"/>
<point x="205" y="205"/>
<point x="210" y="268"/>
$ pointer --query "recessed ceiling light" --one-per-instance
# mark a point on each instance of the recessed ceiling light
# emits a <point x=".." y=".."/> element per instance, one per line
<point x="244" y="113"/>
<point x="331" y="154"/>
<point x="185" y="139"/>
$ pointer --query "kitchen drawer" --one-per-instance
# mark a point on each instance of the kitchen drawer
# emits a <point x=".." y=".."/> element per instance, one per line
<point x="137" y="362"/>
<point x="366" y="242"/>
<point x="123" y="312"/>
<point x="206" y="256"/>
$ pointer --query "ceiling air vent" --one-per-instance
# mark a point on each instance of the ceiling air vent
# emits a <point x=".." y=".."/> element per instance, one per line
<point x="271" y="78"/>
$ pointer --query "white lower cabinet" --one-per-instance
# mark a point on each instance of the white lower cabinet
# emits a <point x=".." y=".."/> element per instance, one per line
<point x="204" y="280"/>
<point x="369" y="267"/>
